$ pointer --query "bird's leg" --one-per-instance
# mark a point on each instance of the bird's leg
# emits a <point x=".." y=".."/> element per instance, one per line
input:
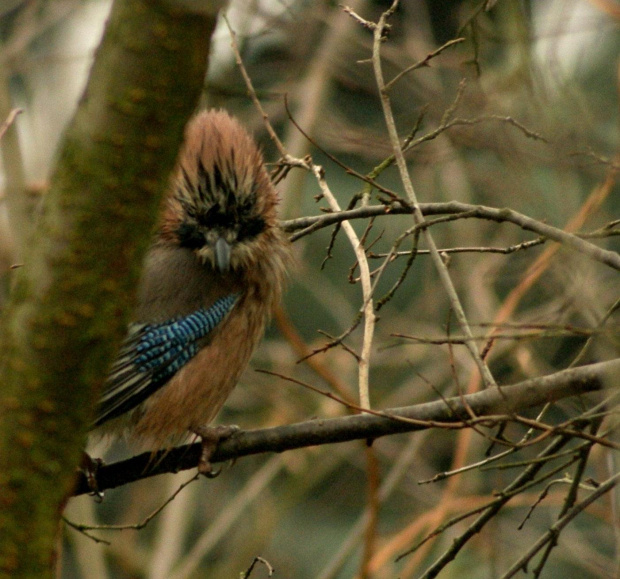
<point x="210" y="437"/>
<point x="89" y="467"/>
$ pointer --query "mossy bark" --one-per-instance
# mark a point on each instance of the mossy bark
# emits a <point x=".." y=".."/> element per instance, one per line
<point x="69" y="305"/>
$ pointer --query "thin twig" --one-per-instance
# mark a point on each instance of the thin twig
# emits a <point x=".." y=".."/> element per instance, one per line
<point x="424" y="62"/>
<point x="417" y="214"/>
<point x="551" y="332"/>
<point x="250" y="87"/>
<point x="555" y="529"/>
<point x="448" y="250"/>
<point x="515" y="487"/>
<point x="4" y="127"/>
<point x="336" y="341"/>
<point x="610" y="258"/>
<point x="569" y="501"/>
<point x="503" y="497"/>
<point x="368" y="307"/>
<point x="135" y="526"/>
<point x="270" y="569"/>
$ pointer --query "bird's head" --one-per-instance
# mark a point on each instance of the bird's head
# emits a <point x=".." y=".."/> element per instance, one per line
<point x="222" y="202"/>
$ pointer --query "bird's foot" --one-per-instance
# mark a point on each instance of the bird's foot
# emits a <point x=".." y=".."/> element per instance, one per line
<point x="89" y="467"/>
<point x="211" y="436"/>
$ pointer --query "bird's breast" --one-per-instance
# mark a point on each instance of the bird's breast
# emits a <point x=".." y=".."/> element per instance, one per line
<point x="196" y="393"/>
<point x="174" y="284"/>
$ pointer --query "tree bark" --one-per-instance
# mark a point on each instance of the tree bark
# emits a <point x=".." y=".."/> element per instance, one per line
<point x="70" y="301"/>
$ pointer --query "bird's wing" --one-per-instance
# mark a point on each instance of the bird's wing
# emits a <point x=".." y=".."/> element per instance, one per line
<point x="152" y="353"/>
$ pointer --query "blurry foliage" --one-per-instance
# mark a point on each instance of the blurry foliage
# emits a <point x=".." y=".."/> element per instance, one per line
<point x="550" y="65"/>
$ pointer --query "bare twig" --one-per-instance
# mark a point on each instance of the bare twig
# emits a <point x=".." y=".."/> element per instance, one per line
<point x="368" y="24"/>
<point x="517" y="486"/>
<point x="9" y="121"/>
<point x="337" y="341"/>
<point x="503" y="497"/>
<point x="136" y="526"/>
<point x="417" y="214"/>
<point x="270" y="569"/>
<point x="522" y="333"/>
<point x="424" y="62"/>
<point x="448" y="250"/>
<point x="367" y="307"/>
<point x="555" y="529"/>
<point x="251" y="91"/>
<point x="610" y="258"/>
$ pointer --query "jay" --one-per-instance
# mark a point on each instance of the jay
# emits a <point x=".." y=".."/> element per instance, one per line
<point x="211" y="278"/>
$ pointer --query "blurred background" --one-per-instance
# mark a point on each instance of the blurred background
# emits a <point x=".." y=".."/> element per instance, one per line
<point x="346" y="510"/>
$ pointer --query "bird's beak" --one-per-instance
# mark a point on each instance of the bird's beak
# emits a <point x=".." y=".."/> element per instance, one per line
<point x="222" y="254"/>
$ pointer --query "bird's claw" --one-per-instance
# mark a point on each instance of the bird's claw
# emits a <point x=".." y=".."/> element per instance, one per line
<point x="210" y="437"/>
<point x="89" y="467"/>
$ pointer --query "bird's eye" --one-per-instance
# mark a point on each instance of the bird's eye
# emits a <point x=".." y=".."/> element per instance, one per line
<point x="190" y="236"/>
<point x="251" y="227"/>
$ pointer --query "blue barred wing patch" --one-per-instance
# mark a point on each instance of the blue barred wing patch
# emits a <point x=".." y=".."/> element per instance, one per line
<point x="153" y="353"/>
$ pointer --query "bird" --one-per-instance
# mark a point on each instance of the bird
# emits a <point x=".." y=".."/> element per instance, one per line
<point x="212" y="276"/>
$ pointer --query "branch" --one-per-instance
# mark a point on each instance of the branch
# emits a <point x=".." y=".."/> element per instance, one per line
<point x="453" y="411"/>
<point x="368" y="307"/>
<point x="305" y="225"/>
<point x="418" y="217"/>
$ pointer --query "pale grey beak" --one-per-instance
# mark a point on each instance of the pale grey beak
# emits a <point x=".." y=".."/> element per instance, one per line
<point x="222" y="254"/>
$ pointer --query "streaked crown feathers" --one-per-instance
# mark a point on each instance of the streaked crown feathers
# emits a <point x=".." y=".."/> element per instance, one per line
<point x="220" y="190"/>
